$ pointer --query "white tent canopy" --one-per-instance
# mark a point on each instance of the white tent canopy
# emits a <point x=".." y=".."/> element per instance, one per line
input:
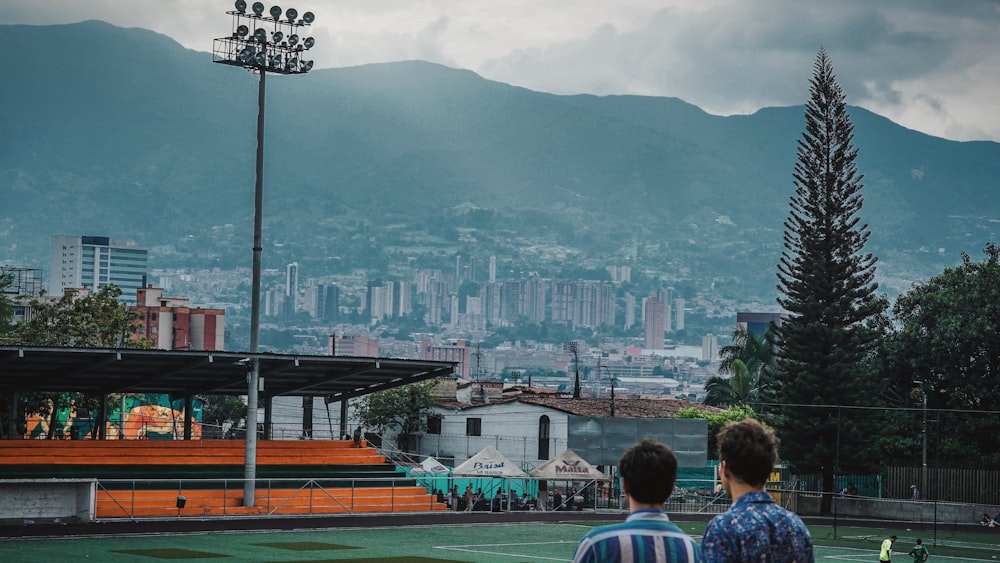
<point x="568" y="466"/>
<point x="489" y="463"/>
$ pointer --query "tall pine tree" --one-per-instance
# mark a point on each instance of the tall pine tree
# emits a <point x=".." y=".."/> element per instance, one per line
<point x="827" y="288"/>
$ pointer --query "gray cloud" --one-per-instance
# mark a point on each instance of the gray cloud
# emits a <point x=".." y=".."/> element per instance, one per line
<point x="928" y="64"/>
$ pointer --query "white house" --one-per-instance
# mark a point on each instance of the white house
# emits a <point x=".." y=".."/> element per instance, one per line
<point x="531" y="426"/>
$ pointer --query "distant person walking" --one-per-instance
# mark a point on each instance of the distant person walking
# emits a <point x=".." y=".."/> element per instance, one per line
<point x="470" y="498"/>
<point x="885" y="552"/>
<point x="647" y="471"/>
<point x="755" y="528"/>
<point x="357" y="437"/>
<point x="919" y="552"/>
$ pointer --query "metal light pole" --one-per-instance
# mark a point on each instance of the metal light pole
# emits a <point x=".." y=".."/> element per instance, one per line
<point x="574" y="348"/>
<point x="923" y="467"/>
<point x="261" y="43"/>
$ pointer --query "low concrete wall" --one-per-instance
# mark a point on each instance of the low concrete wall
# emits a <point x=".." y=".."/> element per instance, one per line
<point x="902" y="510"/>
<point x="47" y="499"/>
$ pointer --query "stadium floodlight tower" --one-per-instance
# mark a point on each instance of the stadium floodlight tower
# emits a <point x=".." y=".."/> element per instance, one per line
<point x="261" y="42"/>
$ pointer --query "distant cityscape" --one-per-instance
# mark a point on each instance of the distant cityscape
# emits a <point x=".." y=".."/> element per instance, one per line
<point x="637" y="342"/>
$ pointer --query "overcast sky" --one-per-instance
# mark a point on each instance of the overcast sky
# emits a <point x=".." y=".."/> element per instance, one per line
<point x="930" y="65"/>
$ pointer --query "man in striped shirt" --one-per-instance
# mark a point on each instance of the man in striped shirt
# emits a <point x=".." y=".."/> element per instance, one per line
<point x="648" y="471"/>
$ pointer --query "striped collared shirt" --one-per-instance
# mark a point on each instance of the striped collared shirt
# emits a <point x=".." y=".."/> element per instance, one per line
<point x="646" y="536"/>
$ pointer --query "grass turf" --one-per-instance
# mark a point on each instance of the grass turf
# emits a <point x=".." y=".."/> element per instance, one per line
<point x="483" y="543"/>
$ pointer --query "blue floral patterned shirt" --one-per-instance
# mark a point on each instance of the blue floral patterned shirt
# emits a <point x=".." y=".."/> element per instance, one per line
<point x="756" y="529"/>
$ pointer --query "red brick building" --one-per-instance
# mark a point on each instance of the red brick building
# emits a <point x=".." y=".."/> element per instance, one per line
<point x="172" y="324"/>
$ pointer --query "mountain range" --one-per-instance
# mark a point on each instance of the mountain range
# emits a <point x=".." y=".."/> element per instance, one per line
<point x="125" y="133"/>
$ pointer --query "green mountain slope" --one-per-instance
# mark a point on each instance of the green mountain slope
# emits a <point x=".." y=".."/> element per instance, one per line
<point x="124" y="132"/>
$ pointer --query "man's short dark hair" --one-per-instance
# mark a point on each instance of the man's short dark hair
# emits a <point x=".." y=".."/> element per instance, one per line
<point x="749" y="449"/>
<point x="649" y="470"/>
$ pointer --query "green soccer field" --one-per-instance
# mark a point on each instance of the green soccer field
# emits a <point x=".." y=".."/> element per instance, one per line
<point x="503" y="543"/>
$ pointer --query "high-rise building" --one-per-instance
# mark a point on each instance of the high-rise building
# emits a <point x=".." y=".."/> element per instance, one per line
<point x="490" y="294"/>
<point x="656" y="314"/>
<point x="94" y="262"/>
<point x="380" y="304"/>
<point x="679" y="313"/>
<point x="710" y="347"/>
<point x="292" y="280"/>
<point x="563" y="301"/>
<point x="757" y="323"/>
<point x="523" y="298"/>
<point x="403" y="298"/>
<point x="454" y="350"/>
<point x="493" y="269"/>
<point x="357" y="346"/>
<point x="629" y="311"/>
<point x="328" y="303"/>
<point x="666" y="296"/>
<point x="172" y="324"/>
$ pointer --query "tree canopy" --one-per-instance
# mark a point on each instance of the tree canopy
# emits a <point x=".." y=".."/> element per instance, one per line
<point x="96" y="319"/>
<point x="826" y="283"/>
<point x="750" y="363"/>
<point x="948" y="345"/>
<point x="400" y="408"/>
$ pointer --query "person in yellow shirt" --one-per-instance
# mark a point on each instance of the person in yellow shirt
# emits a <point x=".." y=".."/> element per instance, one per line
<point x="886" y="552"/>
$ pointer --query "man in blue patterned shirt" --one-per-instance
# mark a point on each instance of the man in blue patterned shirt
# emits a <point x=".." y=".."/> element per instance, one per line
<point x="754" y="528"/>
<point x="648" y="471"/>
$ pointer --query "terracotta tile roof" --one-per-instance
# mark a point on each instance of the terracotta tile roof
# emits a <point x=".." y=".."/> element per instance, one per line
<point x="625" y="408"/>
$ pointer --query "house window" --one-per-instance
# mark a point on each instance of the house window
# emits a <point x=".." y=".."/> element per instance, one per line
<point x="433" y="424"/>
<point x="473" y="427"/>
<point x="543" y="437"/>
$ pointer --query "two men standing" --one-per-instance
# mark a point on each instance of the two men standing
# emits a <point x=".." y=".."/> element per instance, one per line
<point x="754" y="529"/>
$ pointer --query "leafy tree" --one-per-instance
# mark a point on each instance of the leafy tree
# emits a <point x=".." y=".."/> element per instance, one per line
<point x="755" y="352"/>
<point x="95" y="320"/>
<point x="6" y="309"/>
<point x="223" y="411"/>
<point x="750" y="361"/>
<point x="826" y="284"/>
<point x="716" y="421"/>
<point x="948" y="345"/>
<point x="745" y="387"/>
<point x="400" y="407"/>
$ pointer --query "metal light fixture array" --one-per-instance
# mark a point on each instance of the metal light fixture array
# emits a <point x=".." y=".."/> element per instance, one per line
<point x="262" y="44"/>
<point x="266" y="42"/>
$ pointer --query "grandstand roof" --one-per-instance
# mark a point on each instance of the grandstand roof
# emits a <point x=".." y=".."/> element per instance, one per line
<point x="181" y="373"/>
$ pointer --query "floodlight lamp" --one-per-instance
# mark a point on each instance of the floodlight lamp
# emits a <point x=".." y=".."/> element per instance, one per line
<point x="307" y="66"/>
<point x="246" y="54"/>
<point x="277" y="36"/>
<point x="308" y="17"/>
<point x="260" y="35"/>
<point x="261" y="59"/>
<point x="293" y="39"/>
<point x="258" y="8"/>
<point x="291" y="14"/>
<point x="276" y="61"/>
<point x="275" y="12"/>
<point x="241" y="6"/>
<point x="309" y="42"/>
<point x="242" y="30"/>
